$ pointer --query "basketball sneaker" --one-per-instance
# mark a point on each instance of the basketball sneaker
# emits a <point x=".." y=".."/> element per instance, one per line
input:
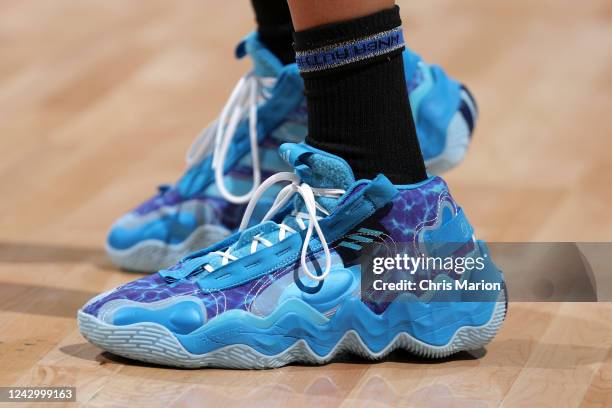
<point x="303" y="285"/>
<point x="232" y="156"/>
<point x="225" y="163"/>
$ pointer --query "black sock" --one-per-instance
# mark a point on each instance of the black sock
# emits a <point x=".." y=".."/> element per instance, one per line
<point x="358" y="105"/>
<point x="275" y="28"/>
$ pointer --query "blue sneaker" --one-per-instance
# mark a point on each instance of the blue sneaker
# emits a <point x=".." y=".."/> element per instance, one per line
<point x="231" y="157"/>
<point x="227" y="161"/>
<point x="294" y="288"/>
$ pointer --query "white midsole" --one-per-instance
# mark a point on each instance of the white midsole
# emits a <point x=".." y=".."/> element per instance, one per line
<point x="153" y="343"/>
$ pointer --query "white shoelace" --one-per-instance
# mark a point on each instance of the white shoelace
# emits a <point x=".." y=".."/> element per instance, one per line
<point x="308" y="194"/>
<point x="245" y="97"/>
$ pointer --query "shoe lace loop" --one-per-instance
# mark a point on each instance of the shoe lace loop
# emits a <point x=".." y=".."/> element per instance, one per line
<point x="308" y="220"/>
<point x="243" y="101"/>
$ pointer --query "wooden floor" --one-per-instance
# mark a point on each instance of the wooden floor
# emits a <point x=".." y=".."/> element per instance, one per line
<point x="100" y="99"/>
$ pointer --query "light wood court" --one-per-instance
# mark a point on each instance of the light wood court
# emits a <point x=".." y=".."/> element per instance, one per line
<point x="100" y="99"/>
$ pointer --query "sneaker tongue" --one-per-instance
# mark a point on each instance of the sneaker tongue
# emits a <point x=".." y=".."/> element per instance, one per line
<point x="265" y="63"/>
<point x="316" y="167"/>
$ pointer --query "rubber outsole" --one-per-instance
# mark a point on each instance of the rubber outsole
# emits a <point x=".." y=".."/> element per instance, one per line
<point x="153" y="343"/>
<point x="153" y="255"/>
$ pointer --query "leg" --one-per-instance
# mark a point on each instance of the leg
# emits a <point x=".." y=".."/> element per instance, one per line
<point x="349" y="54"/>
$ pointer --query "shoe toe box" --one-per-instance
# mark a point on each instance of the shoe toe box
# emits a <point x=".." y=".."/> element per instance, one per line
<point x="150" y="300"/>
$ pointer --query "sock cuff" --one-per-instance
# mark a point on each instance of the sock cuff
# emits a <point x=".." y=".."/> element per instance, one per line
<point x="333" y="33"/>
<point x="341" y="44"/>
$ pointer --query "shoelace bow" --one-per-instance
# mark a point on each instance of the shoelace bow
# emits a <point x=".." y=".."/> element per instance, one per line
<point x="245" y="97"/>
<point x="308" y="194"/>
